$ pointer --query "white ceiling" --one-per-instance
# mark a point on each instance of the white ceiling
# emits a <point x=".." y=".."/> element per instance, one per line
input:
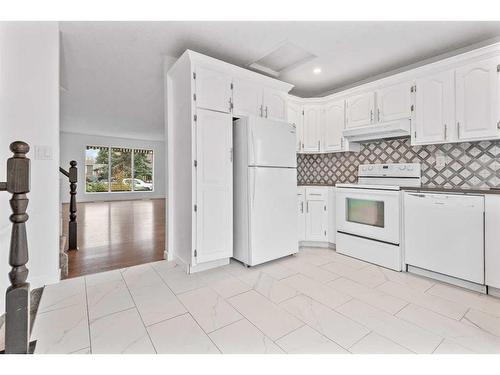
<point x="113" y="77"/>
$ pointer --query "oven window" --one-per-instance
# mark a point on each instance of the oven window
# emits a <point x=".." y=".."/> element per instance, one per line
<point x="364" y="211"/>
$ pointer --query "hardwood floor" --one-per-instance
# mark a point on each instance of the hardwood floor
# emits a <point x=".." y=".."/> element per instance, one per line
<point x="118" y="234"/>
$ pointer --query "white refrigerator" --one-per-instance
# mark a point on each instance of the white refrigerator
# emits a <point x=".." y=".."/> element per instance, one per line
<point x="265" y="184"/>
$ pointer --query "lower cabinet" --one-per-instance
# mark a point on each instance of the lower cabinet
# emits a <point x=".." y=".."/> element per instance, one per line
<point x="316" y="214"/>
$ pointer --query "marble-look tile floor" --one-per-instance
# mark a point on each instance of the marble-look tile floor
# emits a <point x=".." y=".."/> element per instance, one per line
<point x="316" y="301"/>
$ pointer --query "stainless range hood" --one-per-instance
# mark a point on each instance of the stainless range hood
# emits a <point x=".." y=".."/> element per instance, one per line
<point x="390" y="129"/>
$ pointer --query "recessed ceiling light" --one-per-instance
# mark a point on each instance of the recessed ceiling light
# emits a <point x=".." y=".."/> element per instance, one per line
<point x="317" y="70"/>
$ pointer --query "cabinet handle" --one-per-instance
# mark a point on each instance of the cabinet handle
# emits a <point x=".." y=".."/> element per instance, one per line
<point x="378" y="114"/>
<point x="302" y="145"/>
<point x="301" y="207"/>
<point x="458" y="129"/>
<point x="341" y="142"/>
<point x="266" y="111"/>
<point x="261" y="111"/>
<point x="371" y="115"/>
<point x="307" y="206"/>
<point x="230" y="105"/>
<point x="445" y="128"/>
<point x="498" y="125"/>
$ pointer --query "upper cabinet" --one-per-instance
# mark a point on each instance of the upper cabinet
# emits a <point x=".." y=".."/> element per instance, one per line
<point x="456" y="99"/>
<point x="250" y="98"/>
<point x="212" y="89"/>
<point x="312" y="129"/>
<point x="360" y="110"/>
<point x="295" y="116"/>
<point x="394" y="102"/>
<point x="477" y="100"/>
<point x="274" y="104"/>
<point x="434" y="108"/>
<point x="247" y="98"/>
<point x="333" y="123"/>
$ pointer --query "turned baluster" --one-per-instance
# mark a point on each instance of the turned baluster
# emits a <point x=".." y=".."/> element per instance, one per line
<point x="18" y="295"/>
<point x="73" y="226"/>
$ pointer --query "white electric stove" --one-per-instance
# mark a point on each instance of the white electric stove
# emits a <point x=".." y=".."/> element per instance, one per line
<point x="368" y="214"/>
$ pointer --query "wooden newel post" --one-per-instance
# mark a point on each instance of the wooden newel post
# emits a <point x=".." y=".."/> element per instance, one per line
<point x="17" y="322"/>
<point x="73" y="226"/>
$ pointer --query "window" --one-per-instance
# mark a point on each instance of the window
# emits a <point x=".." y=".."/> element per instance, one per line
<point x="118" y="169"/>
<point x="96" y="169"/>
<point x="143" y="170"/>
<point x="121" y="169"/>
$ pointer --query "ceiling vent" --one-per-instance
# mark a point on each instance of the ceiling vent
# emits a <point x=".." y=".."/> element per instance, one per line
<point x="283" y="58"/>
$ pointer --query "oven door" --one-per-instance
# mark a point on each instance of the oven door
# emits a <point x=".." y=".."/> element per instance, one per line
<point x="372" y="214"/>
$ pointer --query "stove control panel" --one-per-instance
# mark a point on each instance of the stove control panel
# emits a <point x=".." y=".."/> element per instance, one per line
<point x="390" y="170"/>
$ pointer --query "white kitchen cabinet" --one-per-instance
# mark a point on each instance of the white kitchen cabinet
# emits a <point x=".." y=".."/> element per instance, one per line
<point x="394" y="102"/>
<point x="199" y="136"/>
<point x="247" y="98"/>
<point x="333" y="123"/>
<point x="315" y="214"/>
<point x="301" y="214"/>
<point x="274" y="104"/>
<point x="360" y="110"/>
<point x="434" y="109"/>
<point x="212" y="89"/>
<point x="312" y="128"/>
<point x="295" y="116"/>
<point x="214" y="186"/>
<point x="477" y="100"/>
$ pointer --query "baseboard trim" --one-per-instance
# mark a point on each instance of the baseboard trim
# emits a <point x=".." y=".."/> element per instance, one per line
<point x="495" y="292"/>
<point x="208" y="265"/>
<point x="321" y="244"/>
<point x="447" y="279"/>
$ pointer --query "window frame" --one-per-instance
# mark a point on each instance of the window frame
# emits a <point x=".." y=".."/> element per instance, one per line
<point x="132" y="149"/>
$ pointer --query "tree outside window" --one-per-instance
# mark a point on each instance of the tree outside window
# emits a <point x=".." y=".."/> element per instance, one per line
<point x="121" y="169"/>
<point x="96" y="169"/>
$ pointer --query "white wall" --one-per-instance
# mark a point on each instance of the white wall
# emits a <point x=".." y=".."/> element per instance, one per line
<point x="73" y="148"/>
<point x="29" y="111"/>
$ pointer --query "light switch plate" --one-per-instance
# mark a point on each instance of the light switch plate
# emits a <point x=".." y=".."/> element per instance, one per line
<point x="43" y="152"/>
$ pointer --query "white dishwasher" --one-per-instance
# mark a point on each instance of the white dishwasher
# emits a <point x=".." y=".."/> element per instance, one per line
<point x="444" y="233"/>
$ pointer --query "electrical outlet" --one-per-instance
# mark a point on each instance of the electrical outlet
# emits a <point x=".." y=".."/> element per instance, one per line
<point x="440" y="159"/>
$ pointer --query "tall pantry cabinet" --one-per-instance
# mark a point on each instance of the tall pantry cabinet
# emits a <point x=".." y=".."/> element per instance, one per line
<point x="203" y="95"/>
<point x="200" y="173"/>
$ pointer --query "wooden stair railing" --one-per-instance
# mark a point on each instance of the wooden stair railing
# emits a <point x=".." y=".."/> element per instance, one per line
<point x="17" y="319"/>
<point x="72" y="175"/>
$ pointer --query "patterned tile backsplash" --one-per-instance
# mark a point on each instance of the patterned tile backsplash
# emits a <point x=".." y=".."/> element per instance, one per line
<point x="467" y="165"/>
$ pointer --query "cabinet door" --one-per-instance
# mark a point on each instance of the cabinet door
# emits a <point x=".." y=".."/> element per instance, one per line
<point x="247" y="98"/>
<point x="360" y="110"/>
<point x="213" y="90"/>
<point x="296" y="117"/>
<point x="214" y="186"/>
<point x="274" y="105"/>
<point x="301" y="215"/>
<point x="477" y="95"/>
<point x="434" y="109"/>
<point x="312" y="128"/>
<point x="394" y="102"/>
<point x="333" y="124"/>
<point x="316" y="220"/>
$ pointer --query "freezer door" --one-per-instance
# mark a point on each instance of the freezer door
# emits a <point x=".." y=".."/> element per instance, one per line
<point x="271" y="143"/>
<point x="273" y="213"/>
